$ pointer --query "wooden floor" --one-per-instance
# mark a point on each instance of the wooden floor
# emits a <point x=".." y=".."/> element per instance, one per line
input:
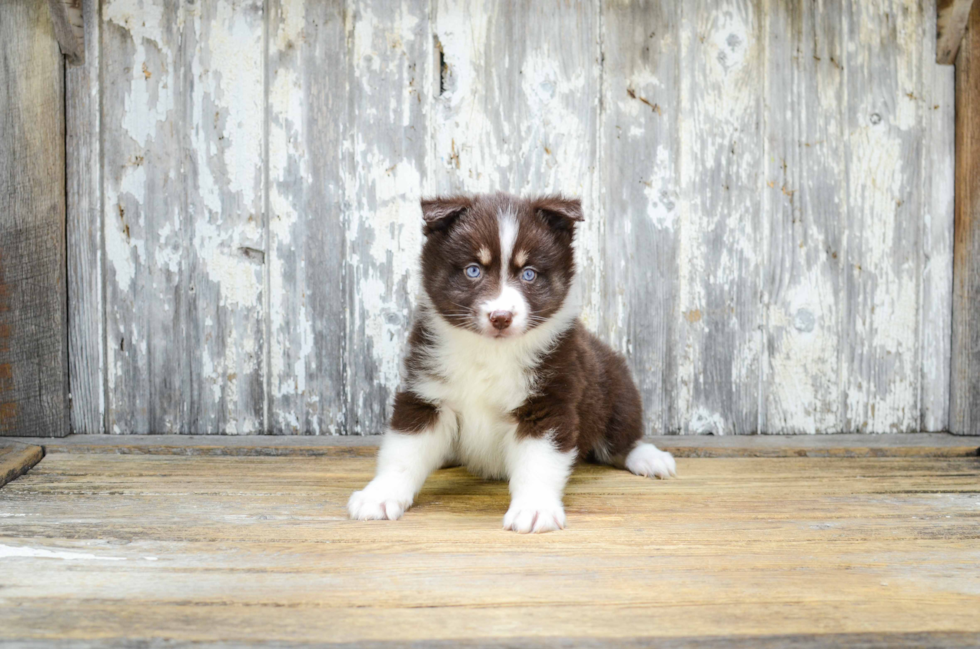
<point x="100" y="548"/>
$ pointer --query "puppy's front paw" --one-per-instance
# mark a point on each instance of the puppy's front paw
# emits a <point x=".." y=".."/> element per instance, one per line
<point x="376" y="503"/>
<point x="649" y="461"/>
<point x="534" y="515"/>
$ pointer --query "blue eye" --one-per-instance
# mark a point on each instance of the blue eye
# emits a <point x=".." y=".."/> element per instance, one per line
<point x="528" y="274"/>
<point x="473" y="271"/>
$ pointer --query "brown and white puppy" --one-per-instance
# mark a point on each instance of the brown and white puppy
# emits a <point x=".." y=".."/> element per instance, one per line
<point x="500" y="375"/>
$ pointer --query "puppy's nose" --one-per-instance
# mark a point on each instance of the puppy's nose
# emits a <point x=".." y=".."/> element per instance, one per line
<point x="501" y="319"/>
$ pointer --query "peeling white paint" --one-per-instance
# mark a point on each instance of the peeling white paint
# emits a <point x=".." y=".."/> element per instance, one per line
<point x="525" y="117"/>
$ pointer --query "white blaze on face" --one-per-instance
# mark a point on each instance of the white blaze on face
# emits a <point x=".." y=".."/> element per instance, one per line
<point x="510" y="297"/>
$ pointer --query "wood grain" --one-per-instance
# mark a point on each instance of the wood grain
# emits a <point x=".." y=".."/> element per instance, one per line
<point x="804" y="198"/>
<point x="718" y="349"/>
<point x="244" y="549"/>
<point x="33" y="318"/>
<point x="145" y="223"/>
<point x="938" y="114"/>
<point x="307" y="165"/>
<point x="952" y="17"/>
<point x="86" y="303"/>
<point x="641" y="196"/>
<point x="17" y="459"/>
<point x="223" y="93"/>
<point x="69" y="29"/>
<point x="184" y="216"/>
<point x="965" y="378"/>
<point x="881" y="251"/>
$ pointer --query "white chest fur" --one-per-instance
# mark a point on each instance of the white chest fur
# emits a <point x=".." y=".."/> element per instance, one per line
<point x="482" y="381"/>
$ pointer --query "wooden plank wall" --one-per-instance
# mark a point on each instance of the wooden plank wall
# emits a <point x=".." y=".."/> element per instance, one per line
<point x="33" y="303"/>
<point x="768" y="190"/>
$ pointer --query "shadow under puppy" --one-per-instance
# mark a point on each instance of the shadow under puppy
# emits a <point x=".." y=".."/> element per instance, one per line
<point x="500" y="375"/>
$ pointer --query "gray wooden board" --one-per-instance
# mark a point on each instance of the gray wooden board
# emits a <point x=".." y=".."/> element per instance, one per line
<point x="145" y="221"/>
<point x="86" y="306"/>
<point x="881" y="250"/>
<point x="640" y="196"/>
<point x="716" y="388"/>
<point x="307" y="133"/>
<point x="803" y="195"/>
<point x="33" y="318"/>
<point x="938" y="112"/>
<point x="767" y="258"/>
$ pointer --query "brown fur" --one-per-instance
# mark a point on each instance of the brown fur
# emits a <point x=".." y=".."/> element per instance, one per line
<point x="588" y="397"/>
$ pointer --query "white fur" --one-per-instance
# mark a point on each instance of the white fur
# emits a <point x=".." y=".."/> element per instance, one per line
<point x="649" y="461"/>
<point x="538" y="473"/>
<point x="508" y="228"/>
<point x="404" y="462"/>
<point x="509" y="298"/>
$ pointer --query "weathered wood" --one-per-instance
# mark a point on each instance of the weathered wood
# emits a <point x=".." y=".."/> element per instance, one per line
<point x="951" y="19"/>
<point x="937" y="110"/>
<point x="641" y="196"/>
<point x="388" y="91"/>
<point x="897" y="445"/>
<point x="145" y="222"/>
<point x="69" y="29"/>
<point x="804" y="200"/>
<point x="17" y="459"/>
<point x="184" y="216"/>
<point x="86" y="306"/>
<point x="965" y="378"/>
<point x="223" y="133"/>
<point x="884" y="640"/>
<point x="205" y="549"/>
<point x="881" y="251"/>
<point x="307" y="160"/>
<point x="717" y="348"/>
<point x="261" y="273"/>
<point x="33" y="319"/>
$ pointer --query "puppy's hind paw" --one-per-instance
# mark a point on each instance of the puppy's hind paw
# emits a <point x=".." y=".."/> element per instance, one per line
<point x="650" y="462"/>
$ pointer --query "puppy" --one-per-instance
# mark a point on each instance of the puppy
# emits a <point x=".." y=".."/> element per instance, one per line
<point x="500" y="375"/>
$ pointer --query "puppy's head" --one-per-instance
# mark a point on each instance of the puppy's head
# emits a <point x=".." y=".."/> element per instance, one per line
<point x="496" y="264"/>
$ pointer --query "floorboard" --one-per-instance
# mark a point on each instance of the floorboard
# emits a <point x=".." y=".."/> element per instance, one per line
<point x="162" y="550"/>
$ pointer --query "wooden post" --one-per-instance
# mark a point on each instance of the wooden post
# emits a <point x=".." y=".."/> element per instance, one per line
<point x="965" y="376"/>
<point x="86" y="332"/>
<point x="33" y="306"/>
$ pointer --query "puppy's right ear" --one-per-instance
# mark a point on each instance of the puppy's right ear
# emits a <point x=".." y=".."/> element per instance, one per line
<point x="439" y="213"/>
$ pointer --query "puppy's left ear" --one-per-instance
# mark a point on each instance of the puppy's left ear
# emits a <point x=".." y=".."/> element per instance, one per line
<point x="560" y="213"/>
<point x="439" y="213"/>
